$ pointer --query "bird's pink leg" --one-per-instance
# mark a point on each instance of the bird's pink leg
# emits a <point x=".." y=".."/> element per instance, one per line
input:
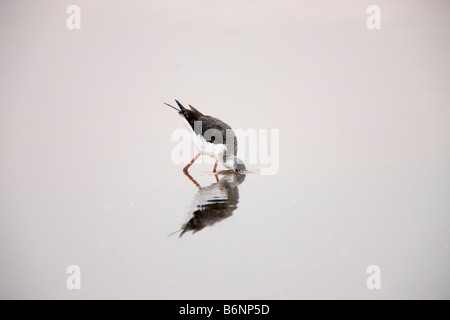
<point x="192" y="179"/>
<point x="185" y="169"/>
<point x="215" y="167"/>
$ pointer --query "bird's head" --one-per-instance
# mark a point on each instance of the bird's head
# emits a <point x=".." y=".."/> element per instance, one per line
<point x="238" y="165"/>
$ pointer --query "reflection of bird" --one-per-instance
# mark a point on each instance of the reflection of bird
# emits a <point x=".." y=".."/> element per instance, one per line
<point x="214" y="203"/>
<point x="212" y="137"/>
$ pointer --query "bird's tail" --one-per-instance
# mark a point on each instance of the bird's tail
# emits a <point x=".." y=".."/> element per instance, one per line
<point x="182" y="109"/>
<point x="172" y="107"/>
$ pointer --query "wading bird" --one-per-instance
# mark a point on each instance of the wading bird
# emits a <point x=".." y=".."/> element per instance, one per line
<point x="211" y="137"/>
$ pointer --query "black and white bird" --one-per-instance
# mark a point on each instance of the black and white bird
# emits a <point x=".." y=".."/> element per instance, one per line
<point x="211" y="137"/>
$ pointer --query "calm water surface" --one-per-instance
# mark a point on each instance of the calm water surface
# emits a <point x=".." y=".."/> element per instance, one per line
<point x="87" y="177"/>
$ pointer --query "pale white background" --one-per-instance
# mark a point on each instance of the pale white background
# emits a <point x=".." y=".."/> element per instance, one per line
<point x="86" y="176"/>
